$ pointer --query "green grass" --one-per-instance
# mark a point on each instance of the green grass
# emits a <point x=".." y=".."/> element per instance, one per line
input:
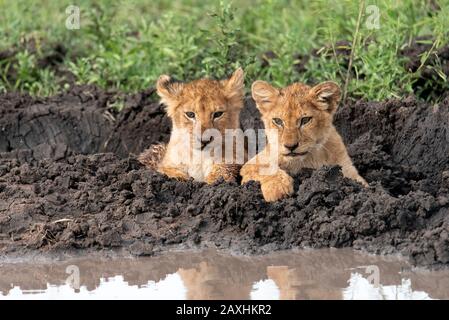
<point x="126" y="45"/>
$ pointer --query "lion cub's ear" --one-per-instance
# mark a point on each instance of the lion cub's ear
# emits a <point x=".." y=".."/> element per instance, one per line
<point x="234" y="88"/>
<point x="264" y="94"/>
<point x="326" y="96"/>
<point x="169" y="92"/>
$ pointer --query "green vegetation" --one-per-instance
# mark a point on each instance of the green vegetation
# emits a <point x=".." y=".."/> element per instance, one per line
<point x="126" y="45"/>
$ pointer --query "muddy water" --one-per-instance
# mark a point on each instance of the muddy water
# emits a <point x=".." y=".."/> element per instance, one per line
<point x="305" y="274"/>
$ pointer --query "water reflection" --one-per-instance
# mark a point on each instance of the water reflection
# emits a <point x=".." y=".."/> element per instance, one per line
<point x="360" y="288"/>
<point x="308" y="274"/>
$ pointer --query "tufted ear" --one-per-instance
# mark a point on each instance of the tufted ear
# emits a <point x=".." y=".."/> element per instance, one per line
<point x="264" y="94"/>
<point x="325" y="96"/>
<point x="234" y="87"/>
<point x="169" y="92"/>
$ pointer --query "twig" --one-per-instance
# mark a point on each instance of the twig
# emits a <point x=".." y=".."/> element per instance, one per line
<point x="62" y="220"/>
<point x="427" y="55"/>
<point x="334" y="52"/>
<point x="354" y="42"/>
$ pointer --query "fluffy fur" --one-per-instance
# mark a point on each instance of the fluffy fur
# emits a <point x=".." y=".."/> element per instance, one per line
<point x="214" y="104"/>
<point x="301" y="118"/>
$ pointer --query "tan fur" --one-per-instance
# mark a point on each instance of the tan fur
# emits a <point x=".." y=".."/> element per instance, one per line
<point x="203" y="97"/>
<point x="318" y="142"/>
<point x="152" y="156"/>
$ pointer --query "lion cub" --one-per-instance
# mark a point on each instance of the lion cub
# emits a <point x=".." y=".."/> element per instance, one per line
<point x="298" y="120"/>
<point x="198" y="109"/>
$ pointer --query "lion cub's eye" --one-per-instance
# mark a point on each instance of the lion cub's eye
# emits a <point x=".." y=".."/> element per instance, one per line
<point x="217" y="114"/>
<point x="278" y="122"/>
<point x="190" y="115"/>
<point x="305" y="120"/>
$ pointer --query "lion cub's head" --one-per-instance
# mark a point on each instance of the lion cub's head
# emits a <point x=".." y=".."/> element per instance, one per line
<point x="300" y="116"/>
<point x="203" y="104"/>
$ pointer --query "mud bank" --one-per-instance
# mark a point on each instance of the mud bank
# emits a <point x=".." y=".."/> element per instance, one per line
<point x="69" y="181"/>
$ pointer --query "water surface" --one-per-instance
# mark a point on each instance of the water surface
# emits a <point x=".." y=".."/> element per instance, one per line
<point x="304" y="274"/>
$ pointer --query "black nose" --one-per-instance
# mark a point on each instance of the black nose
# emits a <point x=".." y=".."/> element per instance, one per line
<point x="291" y="147"/>
<point x="205" y="142"/>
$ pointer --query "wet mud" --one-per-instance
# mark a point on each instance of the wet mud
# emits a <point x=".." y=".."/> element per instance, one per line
<point x="70" y="182"/>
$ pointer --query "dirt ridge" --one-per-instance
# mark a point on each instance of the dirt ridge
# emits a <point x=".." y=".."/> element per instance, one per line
<point x="73" y="196"/>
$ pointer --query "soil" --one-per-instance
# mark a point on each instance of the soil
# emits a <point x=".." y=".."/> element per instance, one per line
<point x="69" y="182"/>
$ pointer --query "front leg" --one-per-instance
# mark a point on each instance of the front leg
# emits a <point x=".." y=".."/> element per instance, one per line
<point x="274" y="186"/>
<point x="277" y="186"/>
<point x="229" y="172"/>
<point x="351" y="172"/>
<point x="173" y="172"/>
<point x="152" y="157"/>
<point x="343" y="160"/>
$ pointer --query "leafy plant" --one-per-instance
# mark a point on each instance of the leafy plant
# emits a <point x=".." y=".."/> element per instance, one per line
<point x="127" y="45"/>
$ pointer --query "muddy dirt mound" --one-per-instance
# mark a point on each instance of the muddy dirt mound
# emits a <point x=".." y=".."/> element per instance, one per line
<point x="79" y="121"/>
<point x="106" y="200"/>
<point x="82" y="121"/>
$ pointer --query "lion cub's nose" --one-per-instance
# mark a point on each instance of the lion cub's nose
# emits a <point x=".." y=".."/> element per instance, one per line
<point x="291" y="147"/>
<point x="205" y="142"/>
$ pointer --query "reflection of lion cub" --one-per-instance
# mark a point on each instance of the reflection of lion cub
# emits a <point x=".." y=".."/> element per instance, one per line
<point x="301" y="117"/>
<point x="194" y="108"/>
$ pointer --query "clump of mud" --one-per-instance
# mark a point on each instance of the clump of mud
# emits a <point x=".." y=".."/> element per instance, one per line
<point x="69" y="180"/>
<point x="80" y="121"/>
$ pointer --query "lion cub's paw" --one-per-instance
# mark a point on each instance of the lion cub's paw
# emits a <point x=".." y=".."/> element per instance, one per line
<point x="277" y="187"/>
<point x="362" y="181"/>
<point x="228" y="172"/>
<point x="152" y="156"/>
<point x="174" y="173"/>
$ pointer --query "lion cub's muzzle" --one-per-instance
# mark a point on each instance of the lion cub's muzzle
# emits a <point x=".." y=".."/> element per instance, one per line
<point x="203" y="142"/>
<point x="291" y="150"/>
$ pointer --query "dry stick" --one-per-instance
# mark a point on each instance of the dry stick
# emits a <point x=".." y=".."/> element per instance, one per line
<point x="334" y="52"/>
<point x="62" y="220"/>
<point x="428" y="53"/>
<point x="354" y="42"/>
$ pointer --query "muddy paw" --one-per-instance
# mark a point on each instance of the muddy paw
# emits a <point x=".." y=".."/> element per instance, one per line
<point x="174" y="173"/>
<point x="152" y="156"/>
<point x="277" y="187"/>
<point x="228" y="173"/>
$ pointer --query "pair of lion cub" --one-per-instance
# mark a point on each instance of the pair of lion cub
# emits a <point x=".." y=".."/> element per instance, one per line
<point x="299" y="118"/>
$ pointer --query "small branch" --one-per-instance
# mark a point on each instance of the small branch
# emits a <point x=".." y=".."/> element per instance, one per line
<point x="334" y="53"/>
<point x="427" y="55"/>
<point x="62" y="220"/>
<point x="354" y="42"/>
